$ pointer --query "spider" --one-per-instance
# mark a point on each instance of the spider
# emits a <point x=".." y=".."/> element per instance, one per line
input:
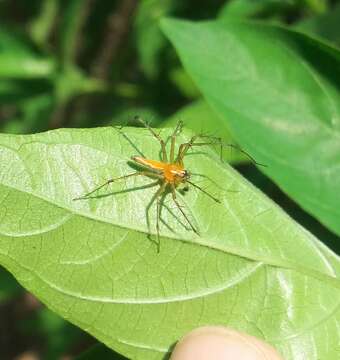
<point x="169" y="170"/>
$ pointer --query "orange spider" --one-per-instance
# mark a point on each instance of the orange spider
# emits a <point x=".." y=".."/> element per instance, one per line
<point x="170" y="171"/>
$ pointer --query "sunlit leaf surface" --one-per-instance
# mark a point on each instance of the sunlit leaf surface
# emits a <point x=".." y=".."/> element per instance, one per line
<point x="279" y="92"/>
<point x="91" y="261"/>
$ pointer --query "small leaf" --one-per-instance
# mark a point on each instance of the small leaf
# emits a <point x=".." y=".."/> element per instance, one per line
<point x="35" y="113"/>
<point x="91" y="261"/>
<point x="73" y="81"/>
<point x="73" y="16"/>
<point x="278" y="90"/>
<point x="19" y="60"/>
<point x="184" y="83"/>
<point x="238" y="9"/>
<point x="149" y="38"/>
<point x="41" y="26"/>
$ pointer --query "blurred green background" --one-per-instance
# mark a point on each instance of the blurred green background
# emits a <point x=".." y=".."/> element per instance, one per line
<point x="87" y="63"/>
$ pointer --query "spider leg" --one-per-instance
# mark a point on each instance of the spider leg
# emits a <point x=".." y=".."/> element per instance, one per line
<point x="233" y="146"/>
<point x="163" y="206"/>
<point x="173" y="192"/>
<point x="156" y="197"/>
<point x="161" y="141"/>
<point x="183" y="149"/>
<point x="159" y="209"/>
<point x="176" y="132"/>
<point x="138" y="173"/>
<point x="204" y="191"/>
<point x="218" y="141"/>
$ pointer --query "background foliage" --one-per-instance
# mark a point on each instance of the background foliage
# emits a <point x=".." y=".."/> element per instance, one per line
<point x="91" y="63"/>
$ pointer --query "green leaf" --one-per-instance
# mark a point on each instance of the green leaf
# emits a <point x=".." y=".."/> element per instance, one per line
<point x="36" y="113"/>
<point x="91" y="261"/>
<point x="279" y="93"/>
<point x="184" y="83"/>
<point x="19" y="60"/>
<point x="326" y="25"/>
<point x="201" y="119"/>
<point x="41" y="26"/>
<point x="238" y="9"/>
<point x="72" y="81"/>
<point x="317" y="6"/>
<point x="149" y="38"/>
<point x="74" y="15"/>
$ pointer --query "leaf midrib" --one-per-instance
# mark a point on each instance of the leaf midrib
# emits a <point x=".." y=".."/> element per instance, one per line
<point x="235" y="251"/>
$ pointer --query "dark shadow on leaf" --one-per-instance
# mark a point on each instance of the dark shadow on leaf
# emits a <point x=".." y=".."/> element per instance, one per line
<point x="167" y="355"/>
<point x="123" y="191"/>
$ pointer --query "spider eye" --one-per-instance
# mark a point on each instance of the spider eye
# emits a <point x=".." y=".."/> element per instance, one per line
<point x="184" y="174"/>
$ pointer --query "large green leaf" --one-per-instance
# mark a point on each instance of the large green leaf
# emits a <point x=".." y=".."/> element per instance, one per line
<point x="279" y="92"/>
<point x="253" y="268"/>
